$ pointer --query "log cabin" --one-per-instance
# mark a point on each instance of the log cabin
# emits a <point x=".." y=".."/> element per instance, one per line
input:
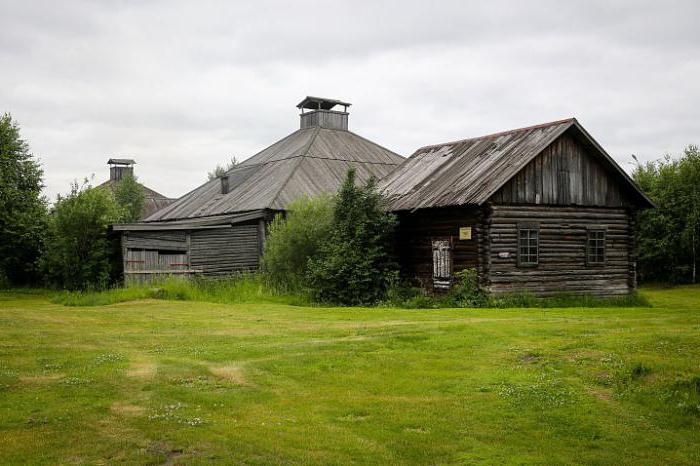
<point x="219" y="228"/>
<point x="542" y="209"/>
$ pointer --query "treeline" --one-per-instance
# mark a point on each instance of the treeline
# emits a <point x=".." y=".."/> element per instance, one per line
<point x="668" y="236"/>
<point x="67" y="245"/>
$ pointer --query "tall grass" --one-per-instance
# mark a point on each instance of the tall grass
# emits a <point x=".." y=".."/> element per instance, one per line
<point x="235" y="289"/>
<point x="255" y="288"/>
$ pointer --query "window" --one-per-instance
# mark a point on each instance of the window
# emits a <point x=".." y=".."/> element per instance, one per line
<point x="528" y="244"/>
<point x="442" y="263"/>
<point x="595" y="247"/>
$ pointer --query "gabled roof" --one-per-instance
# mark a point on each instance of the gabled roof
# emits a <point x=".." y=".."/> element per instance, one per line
<point x="309" y="161"/>
<point x="470" y="171"/>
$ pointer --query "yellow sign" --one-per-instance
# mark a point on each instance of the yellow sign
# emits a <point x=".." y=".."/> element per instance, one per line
<point x="465" y="233"/>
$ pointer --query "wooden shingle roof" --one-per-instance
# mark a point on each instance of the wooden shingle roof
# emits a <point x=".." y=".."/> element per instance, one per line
<point x="470" y="171"/>
<point x="309" y="161"/>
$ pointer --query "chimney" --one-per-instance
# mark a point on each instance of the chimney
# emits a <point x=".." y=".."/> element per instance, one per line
<point x="224" y="184"/>
<point x="119" y="168"/>
<point x="322" y="114"/>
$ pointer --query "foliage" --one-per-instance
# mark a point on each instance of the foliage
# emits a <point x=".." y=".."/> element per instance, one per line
<point x="129" y="195"/>
<point x="77" y="251"/>
<point x="354" y="266"/>
<point x="22" y="208"/>
<point x="668" y="237"/>
<point x="294" y="238"/>
<point x="201" y="383"/>
<point x="220" y="170"/>
<point x="235" y="289"/>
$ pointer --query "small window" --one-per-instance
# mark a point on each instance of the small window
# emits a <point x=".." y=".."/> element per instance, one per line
<point x="595" y="247"/>
<point x="442" y="263"/>
<point x="528" y="245"/>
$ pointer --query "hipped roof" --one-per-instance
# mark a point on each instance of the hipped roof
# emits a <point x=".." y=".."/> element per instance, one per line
<point x="309" y="162"/>
<point x="470" y="171"/>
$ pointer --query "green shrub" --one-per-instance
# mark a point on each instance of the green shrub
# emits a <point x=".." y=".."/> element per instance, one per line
<point x="354" y="265"/>
<point x="78" y="254"/>
<point x="295" y="238"/>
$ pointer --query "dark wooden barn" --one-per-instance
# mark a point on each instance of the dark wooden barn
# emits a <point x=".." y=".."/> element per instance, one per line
<point x="219" y="228"/>
<point x="542" y="209"/>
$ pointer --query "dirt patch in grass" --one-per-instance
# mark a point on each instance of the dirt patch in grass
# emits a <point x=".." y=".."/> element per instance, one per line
<point x="142" y="370"/>
<point x="603" y="395"/>
<point x="232" y="373"/>
<point x="40" y="379"/>
<point x="127" y="409"/>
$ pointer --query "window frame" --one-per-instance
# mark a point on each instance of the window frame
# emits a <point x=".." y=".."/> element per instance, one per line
<point x="596" y="230"/>
<point x="529" y="227"/>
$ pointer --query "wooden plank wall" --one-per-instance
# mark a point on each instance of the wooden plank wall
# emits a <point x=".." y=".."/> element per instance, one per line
<point x="562" y="263"/>
<point x="172" y="240"/>
<point x="414" y="236"/>
<point x="224" y="251"/>
<point x="565" y="173"/>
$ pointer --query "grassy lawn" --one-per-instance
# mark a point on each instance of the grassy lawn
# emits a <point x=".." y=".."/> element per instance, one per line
<point x="194" y="383"/>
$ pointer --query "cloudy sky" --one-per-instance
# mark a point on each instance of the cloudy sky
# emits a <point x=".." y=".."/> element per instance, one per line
<point x="182" y="86"/>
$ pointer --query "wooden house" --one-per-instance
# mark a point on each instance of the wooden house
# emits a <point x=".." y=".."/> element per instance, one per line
<point x="118" y="169"/>
<point x="542" y="209"/>
<point x="219" y="228"/>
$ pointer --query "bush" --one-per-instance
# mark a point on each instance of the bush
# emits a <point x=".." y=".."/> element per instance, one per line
<point x="354" y="266"/>
<point x="295" y="238"/>
<point x="77" y="253"/>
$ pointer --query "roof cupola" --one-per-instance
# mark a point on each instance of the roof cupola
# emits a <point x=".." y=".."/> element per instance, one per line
<point x="322" y="113"/>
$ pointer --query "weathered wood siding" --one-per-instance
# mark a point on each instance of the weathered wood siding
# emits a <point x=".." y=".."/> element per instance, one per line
<point x="163" y="240"/>
<point x="562" y="264"/>
<point x="416" y="231"/>
<point x="565" y="173"/>
<point x="224" y="251"/>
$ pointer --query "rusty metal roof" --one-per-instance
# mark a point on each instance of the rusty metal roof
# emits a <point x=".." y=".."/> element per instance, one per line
<point x="309" y="161"/>
<point x="470" y="171"/>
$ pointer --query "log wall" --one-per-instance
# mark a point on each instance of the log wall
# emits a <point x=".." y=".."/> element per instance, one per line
<point x="415" y="233"/>
<point x="562" y="264"/>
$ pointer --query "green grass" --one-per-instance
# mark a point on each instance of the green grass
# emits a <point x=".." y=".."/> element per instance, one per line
<point x="186" y="382"/>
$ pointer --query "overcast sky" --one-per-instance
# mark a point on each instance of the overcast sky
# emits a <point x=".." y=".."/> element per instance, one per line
<point x="182" y="86"/>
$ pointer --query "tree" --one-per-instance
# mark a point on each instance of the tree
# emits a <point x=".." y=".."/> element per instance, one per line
<point x="220" y="171"/>
<point x="128" y="194"/>
<point x="669" y="236"/>
<point x="355" y="265"/>
<point x="22" y="208"/>
<point x="77" y="254"/>
<point x="294" y="238"/>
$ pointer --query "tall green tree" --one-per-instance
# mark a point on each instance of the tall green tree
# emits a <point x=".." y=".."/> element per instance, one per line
<point x="22" y="207"/>
<point x="355" y="265"/>
<point x="78" y="252"/>
<point x="669" y="236"/>
<point x="130" y="197"/>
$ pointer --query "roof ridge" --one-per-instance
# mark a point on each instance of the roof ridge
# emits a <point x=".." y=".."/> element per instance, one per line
<point x="500" y="133"/>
